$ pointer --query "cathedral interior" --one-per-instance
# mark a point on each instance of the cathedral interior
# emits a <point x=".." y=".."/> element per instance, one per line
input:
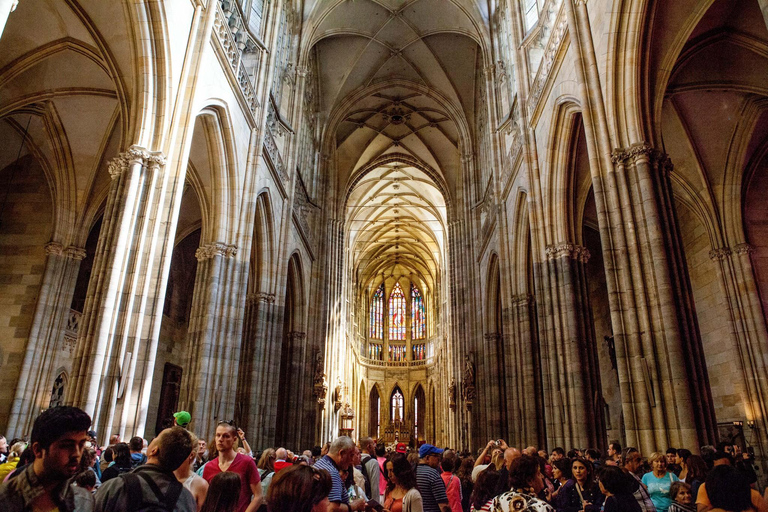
<point x="417" y="220"/>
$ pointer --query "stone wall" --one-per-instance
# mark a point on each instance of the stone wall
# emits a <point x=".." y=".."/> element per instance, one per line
<point x="25" y="228"/>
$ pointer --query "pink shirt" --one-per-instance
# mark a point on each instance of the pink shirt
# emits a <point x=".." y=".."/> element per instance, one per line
<point x="382" y="478"/>
<point x="452" y="489"/>
<point x="243" y="466"/>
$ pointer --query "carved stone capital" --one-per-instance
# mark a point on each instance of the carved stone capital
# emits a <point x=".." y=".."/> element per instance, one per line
<point x="135" y="155"/>
<point x="630" y="154"/>
<point x="54" y="248"/>
<point x="523" y="299"/>
<point x="489" y="71"/>
<point x="576" y="252"/>
<point x="206" y="252"/>
<point x="75" y="253"/>
<point x="743" y="249"/>
<point x="255" y="298"/>
<point x="719" y="254"/>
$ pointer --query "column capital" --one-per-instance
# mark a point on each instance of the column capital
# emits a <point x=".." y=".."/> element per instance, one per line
<point x="576" y="252"/>
<point x="71" y="252"/>
<point x="75" y="253"/>
<point x="630" y="154"/>
<point x="208" y="251"/>
<point x="135" y="155"/>
<point x="719" y="254"/>
<point x="743" y="249"/>
<point x="54" y="248"/>
<point x="254" y="298"/>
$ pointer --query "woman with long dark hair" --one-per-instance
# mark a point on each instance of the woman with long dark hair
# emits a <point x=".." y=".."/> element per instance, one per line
<point x="402" y="494"/>
<point x="581" y="492"/>
<point x="484" y="490"/>
<point x="223" y="493"/>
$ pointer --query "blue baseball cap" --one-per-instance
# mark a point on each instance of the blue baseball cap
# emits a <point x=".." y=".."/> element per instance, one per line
<point x="428" y="449"/>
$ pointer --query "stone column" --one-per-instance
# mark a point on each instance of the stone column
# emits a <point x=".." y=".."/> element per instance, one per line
<point x="749" y="337"/>
<point x="662" y="373"/>
<point x="259" y="363"/>
<point x="525" y="403"/>
<point x="50" y="320"/>
<point x="213" y="343"/>
<point x="568" y="352"/>
<point x="115" y="355"/>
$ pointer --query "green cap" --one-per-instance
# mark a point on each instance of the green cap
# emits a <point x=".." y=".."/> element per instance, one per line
<point x="182" y="418"/>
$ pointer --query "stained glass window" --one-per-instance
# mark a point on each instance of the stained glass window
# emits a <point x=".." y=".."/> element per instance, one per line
<point x="418" y="317"/>
<point x="377" y="314"/>
<point x="397" y="314"/>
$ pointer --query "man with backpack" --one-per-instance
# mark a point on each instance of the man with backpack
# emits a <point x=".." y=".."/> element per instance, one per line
<point x="152" y="486"/>
<point x="370" y="468"/>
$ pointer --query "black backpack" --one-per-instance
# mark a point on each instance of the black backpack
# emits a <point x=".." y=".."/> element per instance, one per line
<point x="368" y="483"/>
<point x="165" y="502"/>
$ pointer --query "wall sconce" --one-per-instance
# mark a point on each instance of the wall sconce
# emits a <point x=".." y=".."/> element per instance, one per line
<point x="751" y="424"/>
<point x="738" y="424"/>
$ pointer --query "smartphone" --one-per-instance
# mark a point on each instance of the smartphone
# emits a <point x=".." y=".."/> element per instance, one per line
<point x="375" y="505"/>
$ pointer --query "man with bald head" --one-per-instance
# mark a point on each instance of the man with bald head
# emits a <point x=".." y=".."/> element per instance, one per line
<point x="510" y="454"/>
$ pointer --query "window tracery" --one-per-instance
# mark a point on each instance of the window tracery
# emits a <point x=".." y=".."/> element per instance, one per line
<point x="397" y="314"/>
<point x="377" y="314"/>
<point x="418" y="315"/>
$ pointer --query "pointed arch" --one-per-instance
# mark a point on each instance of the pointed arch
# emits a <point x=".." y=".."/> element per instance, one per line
<point x="374" y="411"/>
<point x="419" y="408"/>
<point x="262" y="246"/>
<point x="397" y="404"/>
<point x="218" y="135"/>
<point x="295" y="306"/>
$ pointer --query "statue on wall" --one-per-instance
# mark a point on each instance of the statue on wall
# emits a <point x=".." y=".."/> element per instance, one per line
<point x="468" y="391"/>
<point x="452" y="394"/>
<point x="320" y="382"/>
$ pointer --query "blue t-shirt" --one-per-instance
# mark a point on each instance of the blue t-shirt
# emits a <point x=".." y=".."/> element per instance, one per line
<point x="338" y="492"/>
<point x="658" y="488"/>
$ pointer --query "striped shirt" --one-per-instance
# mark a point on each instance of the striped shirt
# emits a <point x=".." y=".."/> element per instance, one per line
<point x="338" y="492"/>
<point x="431" y="487"/>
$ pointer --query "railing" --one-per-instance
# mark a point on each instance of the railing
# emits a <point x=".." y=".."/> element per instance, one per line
<point x="399" y="364"/>
<point x="235" y="40"/>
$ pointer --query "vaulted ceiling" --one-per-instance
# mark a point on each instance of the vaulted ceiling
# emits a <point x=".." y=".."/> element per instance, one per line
<point x="397" y="84"/>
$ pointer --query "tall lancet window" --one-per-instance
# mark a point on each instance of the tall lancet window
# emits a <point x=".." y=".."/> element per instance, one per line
<point x="377" y="314"/>
<point x="398" y="411"/>
<point x="418" y="318"/>
<point x="397" y="314"/>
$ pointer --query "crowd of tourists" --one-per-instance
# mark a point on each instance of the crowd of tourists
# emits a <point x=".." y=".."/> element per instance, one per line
<point x="63" y="468"/>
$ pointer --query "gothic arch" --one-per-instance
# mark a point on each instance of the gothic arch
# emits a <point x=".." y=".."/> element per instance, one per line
<point x="216" y="123"/>
<point x="493" y="306"/>
<point x="262" y="246"/>
<point x="295" y="307"/>
<point x="565" y="131"/>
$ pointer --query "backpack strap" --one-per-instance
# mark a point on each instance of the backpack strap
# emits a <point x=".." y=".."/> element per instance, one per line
<point x="168" y="499"/>
<point x="133" y="488"/>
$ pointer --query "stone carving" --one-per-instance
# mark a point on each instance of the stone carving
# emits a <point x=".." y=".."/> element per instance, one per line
<point x="206" y="252"/>
<point x="273" y="153"/>
<point x="576" y="252"/>
<point x="337" y="396"/>
<point x="743" y="249"/>
<point x="547" y="62"/>
<point x="719" y="254"/>
<point x="254" y="298"/>
<point x="452" y="394"/>
<point x="233" y="37"/>
<point x="468" y="391"/>
<point x="302" y="209"/>
<point x="320" y="388"/>
<point x="56" y="249"/>
<point x="137" y="155"/>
